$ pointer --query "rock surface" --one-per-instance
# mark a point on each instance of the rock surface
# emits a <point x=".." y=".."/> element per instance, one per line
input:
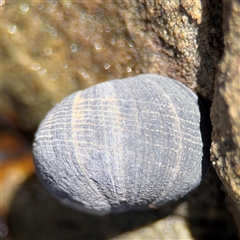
<point x="180" y="39"/>
<point x="225" y="113"/>
<point x="54" y="48"/>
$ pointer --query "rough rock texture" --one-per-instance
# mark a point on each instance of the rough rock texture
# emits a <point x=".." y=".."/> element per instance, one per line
<point x="54" y="48"/>
<point x="180" y="39"/>
<point x="225" y="113"/>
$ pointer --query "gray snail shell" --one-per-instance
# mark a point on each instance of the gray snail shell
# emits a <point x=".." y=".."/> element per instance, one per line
<point x="122" y="145"/>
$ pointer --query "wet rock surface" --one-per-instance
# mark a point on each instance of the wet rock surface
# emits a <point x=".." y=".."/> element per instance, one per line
<point x="51" y="49"/>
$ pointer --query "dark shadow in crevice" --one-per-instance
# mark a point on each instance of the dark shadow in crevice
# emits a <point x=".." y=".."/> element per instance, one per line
<point x="35" y="214"/>
<point x="206" y="131"/>
<point x="209" y="217"/>
<point x="210" y="46"/>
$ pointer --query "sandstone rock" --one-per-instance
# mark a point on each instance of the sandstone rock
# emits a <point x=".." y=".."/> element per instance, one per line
<point x="225" y="113"/>
<point x="51" y="49"/>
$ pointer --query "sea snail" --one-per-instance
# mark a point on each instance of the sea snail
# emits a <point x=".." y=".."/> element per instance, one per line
<point x="122" y="145"/>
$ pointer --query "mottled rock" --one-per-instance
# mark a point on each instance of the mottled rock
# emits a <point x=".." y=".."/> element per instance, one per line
<point x="225" y="113"/>
<point x="51" y="49"/>
<point x="54" y="48"/>
<point x="180" y="39"/>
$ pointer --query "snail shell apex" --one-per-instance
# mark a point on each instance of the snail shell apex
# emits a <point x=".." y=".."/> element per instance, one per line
<point x="122" y="145"/>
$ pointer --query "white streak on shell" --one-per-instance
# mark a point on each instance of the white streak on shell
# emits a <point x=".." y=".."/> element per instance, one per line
<point x="122" y="144"/>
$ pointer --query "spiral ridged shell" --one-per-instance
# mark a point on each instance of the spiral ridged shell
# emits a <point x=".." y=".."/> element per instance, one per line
<point x="120" y="145"/>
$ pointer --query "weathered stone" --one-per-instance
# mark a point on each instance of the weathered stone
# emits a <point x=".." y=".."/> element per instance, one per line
<point x="51" y="49"/>
<point x="54" y="48"/>
<point x="225" y="113"/>
<point x="180" y="39"/>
